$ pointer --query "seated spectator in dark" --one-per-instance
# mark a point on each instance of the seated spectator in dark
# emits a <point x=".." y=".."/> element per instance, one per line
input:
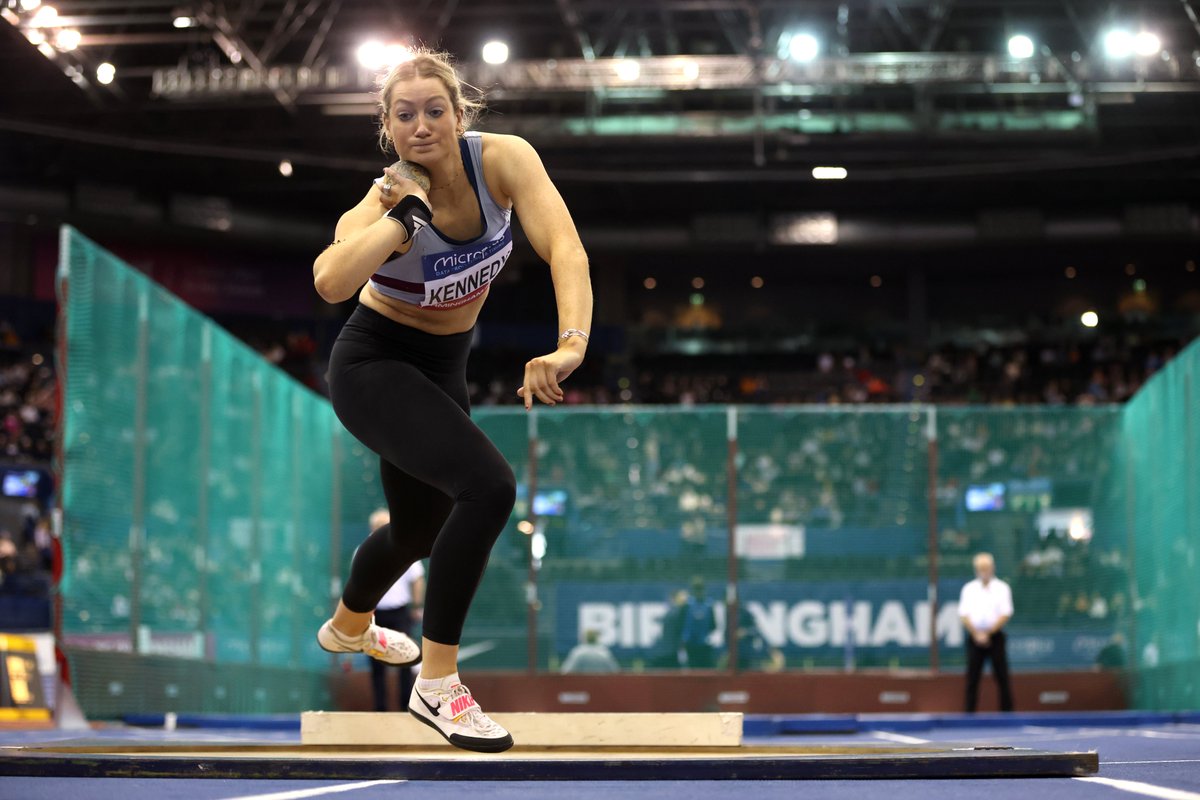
<point x="1112" y="655"/>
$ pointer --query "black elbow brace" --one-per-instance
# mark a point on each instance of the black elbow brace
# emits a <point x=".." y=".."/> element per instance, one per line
<point x="412" y="213"/>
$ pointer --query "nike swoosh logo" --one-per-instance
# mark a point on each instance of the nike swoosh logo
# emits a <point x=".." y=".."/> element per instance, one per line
<point x="425" y="702"/>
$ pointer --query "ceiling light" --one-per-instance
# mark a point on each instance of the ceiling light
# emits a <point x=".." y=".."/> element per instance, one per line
<point x="1118" y="44"/>
<point x="495" y="52"/>
<point x="804" y="47"/>
<point x="395" y="54"/>
<point x="184" y="22"/>
<point x="285" y="168"/>
<point x="1020" y="46"/>
<point x="1146" y="44"/>
<point x="829" y="173"/>
<point x="67" y="39"/>
<point x="46" y="17"/>
<point x="105" y="73"/>
<point x="371" y="54"/>
<point x="628" y="69"/>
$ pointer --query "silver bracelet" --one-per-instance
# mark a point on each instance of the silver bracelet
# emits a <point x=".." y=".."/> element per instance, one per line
<point x="569" y="332"/>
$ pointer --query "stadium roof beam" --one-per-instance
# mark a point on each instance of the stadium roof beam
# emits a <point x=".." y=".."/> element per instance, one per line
<point x="1191" y="15"/>
<point x="237" y="49"/>
<point x="443" y="20"/>
<point x="281" y="36"/>
<point x="941" y="17"/>
<point x="615" y="22"/>
<point x="927" y="39"/>
<point x="1087" y="38"/>
<point x="571" y="17"/>
<point x="669" y="35"/>
<point x="318" y="40"/>
<point x="965" y="74"/>
<point x="731" y="27"/>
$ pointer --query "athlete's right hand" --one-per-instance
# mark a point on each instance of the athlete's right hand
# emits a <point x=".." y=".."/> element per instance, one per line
<point x="393" y="186"/>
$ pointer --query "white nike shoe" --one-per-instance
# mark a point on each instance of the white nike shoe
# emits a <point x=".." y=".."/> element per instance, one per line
<point x="381" y="644"/>
<point x="451" y="711"/>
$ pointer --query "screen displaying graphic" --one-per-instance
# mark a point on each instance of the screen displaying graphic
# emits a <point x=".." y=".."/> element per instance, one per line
<point x="988" y="497"/>
<point x="550" y="504"/>
<point x="22" y="483"/>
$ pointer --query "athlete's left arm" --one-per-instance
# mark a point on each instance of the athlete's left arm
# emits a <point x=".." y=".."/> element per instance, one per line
<point x="548" y="224"/>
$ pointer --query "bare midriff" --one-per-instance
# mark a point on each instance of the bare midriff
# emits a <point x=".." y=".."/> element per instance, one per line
<point x="440" y="322"/>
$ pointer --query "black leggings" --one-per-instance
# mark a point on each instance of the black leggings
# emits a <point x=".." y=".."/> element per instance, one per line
<point x="403" y="393"/>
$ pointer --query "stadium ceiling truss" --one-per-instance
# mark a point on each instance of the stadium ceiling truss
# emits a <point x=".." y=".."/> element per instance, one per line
<point x="301" y="51"/>
<point x="617" y="93"/>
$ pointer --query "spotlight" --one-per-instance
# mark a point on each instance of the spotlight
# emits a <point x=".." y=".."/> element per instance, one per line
<point x="371" y="54"/>
<point x="1146" y="44"/>
<point x="376" y="55"/>
<point x="691" y="70"/>
<point x="628" y="69"/>
<point x="829" y="173"/>
<point x="285" y="168"/>
<point x="395" y="54"/>
<point x="1020" y="46"/>
<point x="1118" y="44"/>
<point x="495" y="52"/>
<point x="46" y="17"/>
<point x="649" y="283"/>
<point x="105" y="73"/>
<point x="67" y="39"/>
<point x="804" y="47"/>
<point x="30" y="5"/>
<point x="1089" y="319"/>
<point x="183" y="22"/>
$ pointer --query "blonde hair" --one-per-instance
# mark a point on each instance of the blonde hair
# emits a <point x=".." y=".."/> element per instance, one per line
<point x="426" y="63"/>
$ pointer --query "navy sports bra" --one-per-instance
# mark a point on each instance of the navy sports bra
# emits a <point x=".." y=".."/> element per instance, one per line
<point x="442" y="273"/>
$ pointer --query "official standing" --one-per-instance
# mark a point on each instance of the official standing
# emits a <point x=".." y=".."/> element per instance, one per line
<point x="985" y="607"/>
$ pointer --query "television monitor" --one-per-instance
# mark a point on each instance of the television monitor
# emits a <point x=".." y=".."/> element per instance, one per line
<point x="20" y="483"/>
<point x="985" y="497"/>
<point x="552" y="503"/>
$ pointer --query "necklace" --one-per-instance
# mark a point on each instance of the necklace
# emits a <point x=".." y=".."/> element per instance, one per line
<point x="450" y="182"/>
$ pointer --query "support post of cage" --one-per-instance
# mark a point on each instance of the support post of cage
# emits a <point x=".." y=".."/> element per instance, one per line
<point x="931" y="498"/>
<point x="531" y="587"/>
<point x="731" y="592"/>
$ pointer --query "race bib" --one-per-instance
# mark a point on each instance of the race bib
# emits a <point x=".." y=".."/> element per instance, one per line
<point x="456" y="277"/>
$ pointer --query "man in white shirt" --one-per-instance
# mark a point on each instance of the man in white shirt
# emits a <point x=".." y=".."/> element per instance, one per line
<point x="590" y="657"/>
<point x="985" y="606"/>
<point x="398" y="609"/>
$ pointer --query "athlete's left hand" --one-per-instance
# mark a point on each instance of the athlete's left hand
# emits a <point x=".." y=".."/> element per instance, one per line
<point x="544" y="373"/>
